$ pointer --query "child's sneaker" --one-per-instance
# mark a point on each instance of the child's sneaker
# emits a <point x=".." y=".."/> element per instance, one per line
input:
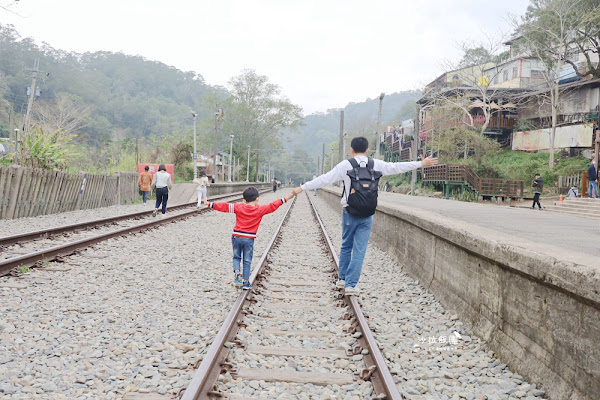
<point x="340" y="283"/>
<point x="246" y="285"/>
<point x="237" y="278"/>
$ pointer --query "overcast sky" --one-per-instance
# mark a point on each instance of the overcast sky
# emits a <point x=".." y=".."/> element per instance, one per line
<point x="322" y="53"/>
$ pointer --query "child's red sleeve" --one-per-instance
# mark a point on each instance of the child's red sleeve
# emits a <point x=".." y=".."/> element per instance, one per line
<point x="269" y="208"/>
<point x="223" y="207"/>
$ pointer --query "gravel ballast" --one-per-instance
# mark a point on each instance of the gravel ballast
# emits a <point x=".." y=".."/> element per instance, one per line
<point x="433" y="353"/>
<point x="128" y="315"/>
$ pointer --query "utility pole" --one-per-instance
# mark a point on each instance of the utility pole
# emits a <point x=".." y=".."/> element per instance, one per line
<point x="323" y="160"/>
<point x="378" y="138"/>
<point x="35" y="71"/>
<point x="230" y="155"/>
<point x="218" y="114"/>
<point x="341" y="144"/>
<point x="248" y="167"/>
<point x="413" y="180"/>
<point x="318" y="165"/>
<point x="16" y="159"/>
<point x="345" y="154"/>
<point x="195" y="155"/>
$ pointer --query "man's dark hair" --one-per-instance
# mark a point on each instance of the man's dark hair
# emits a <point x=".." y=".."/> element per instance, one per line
<point x="537" y="175"/>
<point x="250" y="194"/>
<point x="147" y="168"/>
<point x="359" y="144"/>
<point x="162" y="167"/>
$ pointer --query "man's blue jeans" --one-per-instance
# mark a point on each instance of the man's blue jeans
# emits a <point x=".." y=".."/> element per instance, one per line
<point x="243" y="248"/>
<point x="355" y="237"/>
<point x="593" y="186"/>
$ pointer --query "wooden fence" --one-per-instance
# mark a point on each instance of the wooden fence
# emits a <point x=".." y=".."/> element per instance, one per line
<point x="28" y="192"/>
<point x="464" y="175"/>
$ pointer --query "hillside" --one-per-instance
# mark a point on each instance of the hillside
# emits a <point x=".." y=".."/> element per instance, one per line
<point x="124" y="96"/>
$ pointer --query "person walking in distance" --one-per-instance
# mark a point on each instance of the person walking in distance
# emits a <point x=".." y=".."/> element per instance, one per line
<point x="248" y="216"/>
<point x="162" y="182"/>
<point x="360" y="175"/>
<point x="538" y="188"/>
<point x="202" y="183"/>
<point x="317" y="189"/>
<point x="593" y="179"/>
<point x="274" y="185"/>
<point x="144" y="183"/>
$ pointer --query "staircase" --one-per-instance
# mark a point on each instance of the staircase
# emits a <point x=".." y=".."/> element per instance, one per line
<point x="581" y="207"/>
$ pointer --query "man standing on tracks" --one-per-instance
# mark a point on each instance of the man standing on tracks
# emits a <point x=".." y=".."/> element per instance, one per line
<point x="361" y="177"/>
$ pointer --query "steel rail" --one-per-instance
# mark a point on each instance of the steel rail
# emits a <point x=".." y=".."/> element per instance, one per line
<point x="52" y="253"/>
<point x="207" y="374"/>
<point x="382" y="379"/>
<point x="29" y="236"/>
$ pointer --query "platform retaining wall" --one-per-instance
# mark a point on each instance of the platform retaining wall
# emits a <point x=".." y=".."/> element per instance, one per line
<point x="29" y="192"/>
<point x="536" y="306"/>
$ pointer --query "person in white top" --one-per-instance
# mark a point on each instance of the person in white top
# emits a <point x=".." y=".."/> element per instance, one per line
<point x="356" y="230"/>
<point x="202" y="182"/>
<point x="162" y="182"/>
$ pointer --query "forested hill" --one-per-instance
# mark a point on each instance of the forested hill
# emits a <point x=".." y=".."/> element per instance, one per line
<point x="359" y="118"/>
<point x="122" y="95"/>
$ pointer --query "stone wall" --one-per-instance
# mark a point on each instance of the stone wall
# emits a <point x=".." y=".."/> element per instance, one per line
<point x="28" y="192"/>
<point x="536" y="306"/>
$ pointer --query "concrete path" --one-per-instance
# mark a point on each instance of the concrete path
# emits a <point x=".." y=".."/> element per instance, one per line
<point x="183" y="193"/>
<point x="564" y="231"/>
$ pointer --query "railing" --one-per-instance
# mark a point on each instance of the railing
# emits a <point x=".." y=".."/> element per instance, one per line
<point x="503" y="123"/>
<point x="464" y="174"/>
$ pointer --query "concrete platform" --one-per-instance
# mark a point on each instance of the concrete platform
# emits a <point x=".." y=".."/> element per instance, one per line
<point x="571" y="232"/>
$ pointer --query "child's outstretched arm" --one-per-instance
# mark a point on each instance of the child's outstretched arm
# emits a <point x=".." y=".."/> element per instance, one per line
<point x="271" y="207"/>
<point x="290" y="196"/>
<point x="223" y="207"/>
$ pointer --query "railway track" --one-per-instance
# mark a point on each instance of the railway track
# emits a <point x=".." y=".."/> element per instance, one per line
<point x="34" y="248"/>
<point x="294" y="335"/>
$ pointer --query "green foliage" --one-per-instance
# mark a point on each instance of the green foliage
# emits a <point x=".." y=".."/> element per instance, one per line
<point x="23" y="269"/>
<point x="508" y="164"/>
<point x="524" y="125"/>
<point x="40" y="150"/>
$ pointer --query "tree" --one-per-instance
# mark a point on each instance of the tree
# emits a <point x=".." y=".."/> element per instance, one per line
<point x="548" y="30"/>
<point x="469" y="86"/>
<point x="257" y="114"/>
<point x="66" y="113"/>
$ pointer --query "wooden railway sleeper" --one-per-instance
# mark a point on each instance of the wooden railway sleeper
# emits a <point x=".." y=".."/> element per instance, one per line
<point x="238" y="343"/>
<point x="228" y="367"/>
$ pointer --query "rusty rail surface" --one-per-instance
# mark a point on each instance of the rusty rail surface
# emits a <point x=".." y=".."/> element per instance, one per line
<point x="382" y="379"/>
<point x="56" y="252"/>
<point x="208" y="372"/>
<point x="458" y="173"/>
<point x="29" y="236"/>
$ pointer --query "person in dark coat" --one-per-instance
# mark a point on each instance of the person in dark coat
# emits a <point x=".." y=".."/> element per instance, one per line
<point x="593" y="178"/>
<point x="538" y="188"/>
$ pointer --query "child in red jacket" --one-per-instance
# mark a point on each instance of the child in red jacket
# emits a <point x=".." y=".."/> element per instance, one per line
<point x="247" y="219"/>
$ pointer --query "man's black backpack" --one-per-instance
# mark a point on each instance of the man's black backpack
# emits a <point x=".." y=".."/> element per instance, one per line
<point x="364" y="182"/>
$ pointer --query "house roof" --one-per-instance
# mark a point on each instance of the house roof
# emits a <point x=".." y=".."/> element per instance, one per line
<point x="569" y="85"/>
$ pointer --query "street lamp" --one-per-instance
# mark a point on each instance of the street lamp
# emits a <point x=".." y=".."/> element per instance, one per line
<point x="230" y="155"/>
<point x="378" y="138"/>
<point x="195" y="155"/>
<point x="248" y="167"/>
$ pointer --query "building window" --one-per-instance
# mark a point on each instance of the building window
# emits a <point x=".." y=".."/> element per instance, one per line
<point x="515" y="72"/>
